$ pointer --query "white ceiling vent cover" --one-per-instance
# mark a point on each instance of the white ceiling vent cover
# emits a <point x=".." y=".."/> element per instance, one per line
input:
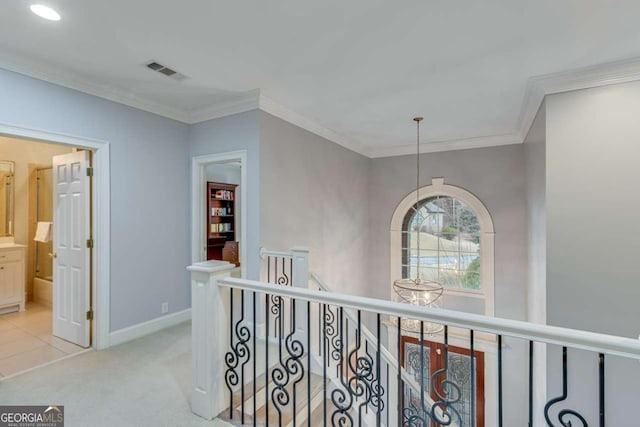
<point x="169" y="72"/>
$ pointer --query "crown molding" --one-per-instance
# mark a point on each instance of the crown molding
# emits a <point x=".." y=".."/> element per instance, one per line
<point x="608" y="73"/>
<point x="245" y="102"/>
<point x="537" y="88"/>
<point x="269" y="106"/>
<point x="448" y="145"/>
<point x="52" y="75"/>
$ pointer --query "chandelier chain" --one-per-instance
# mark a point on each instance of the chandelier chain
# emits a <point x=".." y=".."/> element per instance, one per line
<point x="418" y="120"/>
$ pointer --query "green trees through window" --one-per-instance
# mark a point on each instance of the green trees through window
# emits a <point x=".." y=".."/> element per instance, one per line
<point x="441" y="237"/>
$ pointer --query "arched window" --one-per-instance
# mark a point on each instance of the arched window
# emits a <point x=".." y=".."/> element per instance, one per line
<point x="455" y="246"/>
<point x="441" y="238"/>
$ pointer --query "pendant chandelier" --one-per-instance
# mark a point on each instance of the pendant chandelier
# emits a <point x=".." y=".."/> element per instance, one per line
<point x="417" y="291"/>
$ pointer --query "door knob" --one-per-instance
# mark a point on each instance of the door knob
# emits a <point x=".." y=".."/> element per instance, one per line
<point x="53" y="255"/>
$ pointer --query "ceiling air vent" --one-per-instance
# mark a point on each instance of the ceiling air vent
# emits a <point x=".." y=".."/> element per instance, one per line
<point x="153" y="65"/>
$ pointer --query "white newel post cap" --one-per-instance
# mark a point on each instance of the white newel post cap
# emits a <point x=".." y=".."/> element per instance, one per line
<point x="212" y="266"/>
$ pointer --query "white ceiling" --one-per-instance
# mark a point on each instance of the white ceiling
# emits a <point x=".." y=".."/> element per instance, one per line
<point x="357" y="69"/>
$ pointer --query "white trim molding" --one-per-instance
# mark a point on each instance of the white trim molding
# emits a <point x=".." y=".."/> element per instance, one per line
<point x="42" y="71"/>
<point x="240" y="104"/>
<point x="269" y="106"/>
<point x="101" y="206"/>
<point x="487" y="238"/>
<point x="537" y="87"/>
<point x="450" y="145"/>
<point x="149" y="327"/>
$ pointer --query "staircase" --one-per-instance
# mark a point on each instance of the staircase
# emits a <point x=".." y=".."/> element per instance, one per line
<point x="303" y="399"/>
<point x="267" y="410"/>
<point x="289" y="352"/>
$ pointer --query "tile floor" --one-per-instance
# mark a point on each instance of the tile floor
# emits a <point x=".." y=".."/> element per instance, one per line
<point x="26" y="340"/>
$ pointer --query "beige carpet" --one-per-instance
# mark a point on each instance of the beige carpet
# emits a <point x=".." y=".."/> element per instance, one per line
<point x="145" y="382"/>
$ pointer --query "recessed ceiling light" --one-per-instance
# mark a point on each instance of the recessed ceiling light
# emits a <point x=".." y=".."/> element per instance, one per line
<point x="45" y="12"/>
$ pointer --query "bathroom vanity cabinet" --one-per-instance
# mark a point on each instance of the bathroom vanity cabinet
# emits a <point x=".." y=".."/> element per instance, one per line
<point x="12" y="276"/>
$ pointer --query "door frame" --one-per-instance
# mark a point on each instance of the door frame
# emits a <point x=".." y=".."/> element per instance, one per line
<point x="198" y="186"/>
<point x="101" y="208"/>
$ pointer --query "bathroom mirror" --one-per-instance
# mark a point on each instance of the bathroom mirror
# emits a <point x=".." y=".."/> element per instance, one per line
<point x="6" y="198"/>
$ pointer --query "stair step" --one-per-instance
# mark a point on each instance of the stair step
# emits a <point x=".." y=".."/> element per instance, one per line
<point x="287" y="411"/>
<point x="301" y="401"/>
<point x="317" y="416"/>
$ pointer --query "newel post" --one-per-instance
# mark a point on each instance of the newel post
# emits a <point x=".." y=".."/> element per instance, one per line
<point x="300" y="267"/>
<point x="210" y="313"/>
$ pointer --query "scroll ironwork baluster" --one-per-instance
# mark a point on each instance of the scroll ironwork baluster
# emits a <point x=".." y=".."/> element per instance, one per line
<point x="445" y="391"/>
<point x="448" y="394"/>
<point x="379" y="391"/>
<point x="238" y="356"/>
<point x="266" y="359"/>
<point x="231" y="360"/>
<point x="309" y="363"/>
<point x="499" y="380"/>
<point x="279" y="374"/>
<point x="294" y="365"/>
<point x="564" y="414"/>
<point x="530" y="383"/>
<point x="601" y="388"/>
<point x="324" y="365"/>
<point x="243" y="338"/>
<point x="399" y="367"/>
<point x="473" y="380"/>
<point x="341" y="398"/>
<point x="360" y="380"/>
<point x="388" y="393"/>
<point x="255" y="352"/>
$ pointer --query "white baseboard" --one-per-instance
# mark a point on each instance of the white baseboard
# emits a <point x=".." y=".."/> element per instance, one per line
<point x="140" y="330"/>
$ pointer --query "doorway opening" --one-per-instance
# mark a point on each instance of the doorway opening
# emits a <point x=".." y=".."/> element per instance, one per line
<point x="55" y="275"/>
<point x="219" y="214"/>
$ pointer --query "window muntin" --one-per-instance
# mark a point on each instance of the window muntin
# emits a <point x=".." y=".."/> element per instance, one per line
<point x="449" y="234"/>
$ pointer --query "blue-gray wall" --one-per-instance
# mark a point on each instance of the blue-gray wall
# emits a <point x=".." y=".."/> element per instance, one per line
<point x="232" y="133"/>
<point x="150" y="203"/>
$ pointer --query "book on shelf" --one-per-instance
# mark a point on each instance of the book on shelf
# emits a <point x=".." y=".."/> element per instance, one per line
<point x="221" y="228"/>
<point x="224" y="195"/>
<point x="220" y="211"/>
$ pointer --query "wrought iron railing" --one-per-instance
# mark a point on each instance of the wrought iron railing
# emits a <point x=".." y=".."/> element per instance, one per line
<point x="326" y="368"/>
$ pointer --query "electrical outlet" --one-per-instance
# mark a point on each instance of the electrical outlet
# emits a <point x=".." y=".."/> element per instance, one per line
<point x="165" y="307"/>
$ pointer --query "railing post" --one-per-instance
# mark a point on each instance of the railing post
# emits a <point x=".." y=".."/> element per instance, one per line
<point x="300" y="279"/>
<point x="209" y="337"/>
<point x="300" y="261"/>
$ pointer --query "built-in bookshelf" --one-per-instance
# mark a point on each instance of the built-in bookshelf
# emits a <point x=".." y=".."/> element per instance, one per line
<point x="221" y="212"/>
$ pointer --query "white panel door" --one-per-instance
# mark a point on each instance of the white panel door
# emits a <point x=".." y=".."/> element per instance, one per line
<point x="71" y="229"/>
